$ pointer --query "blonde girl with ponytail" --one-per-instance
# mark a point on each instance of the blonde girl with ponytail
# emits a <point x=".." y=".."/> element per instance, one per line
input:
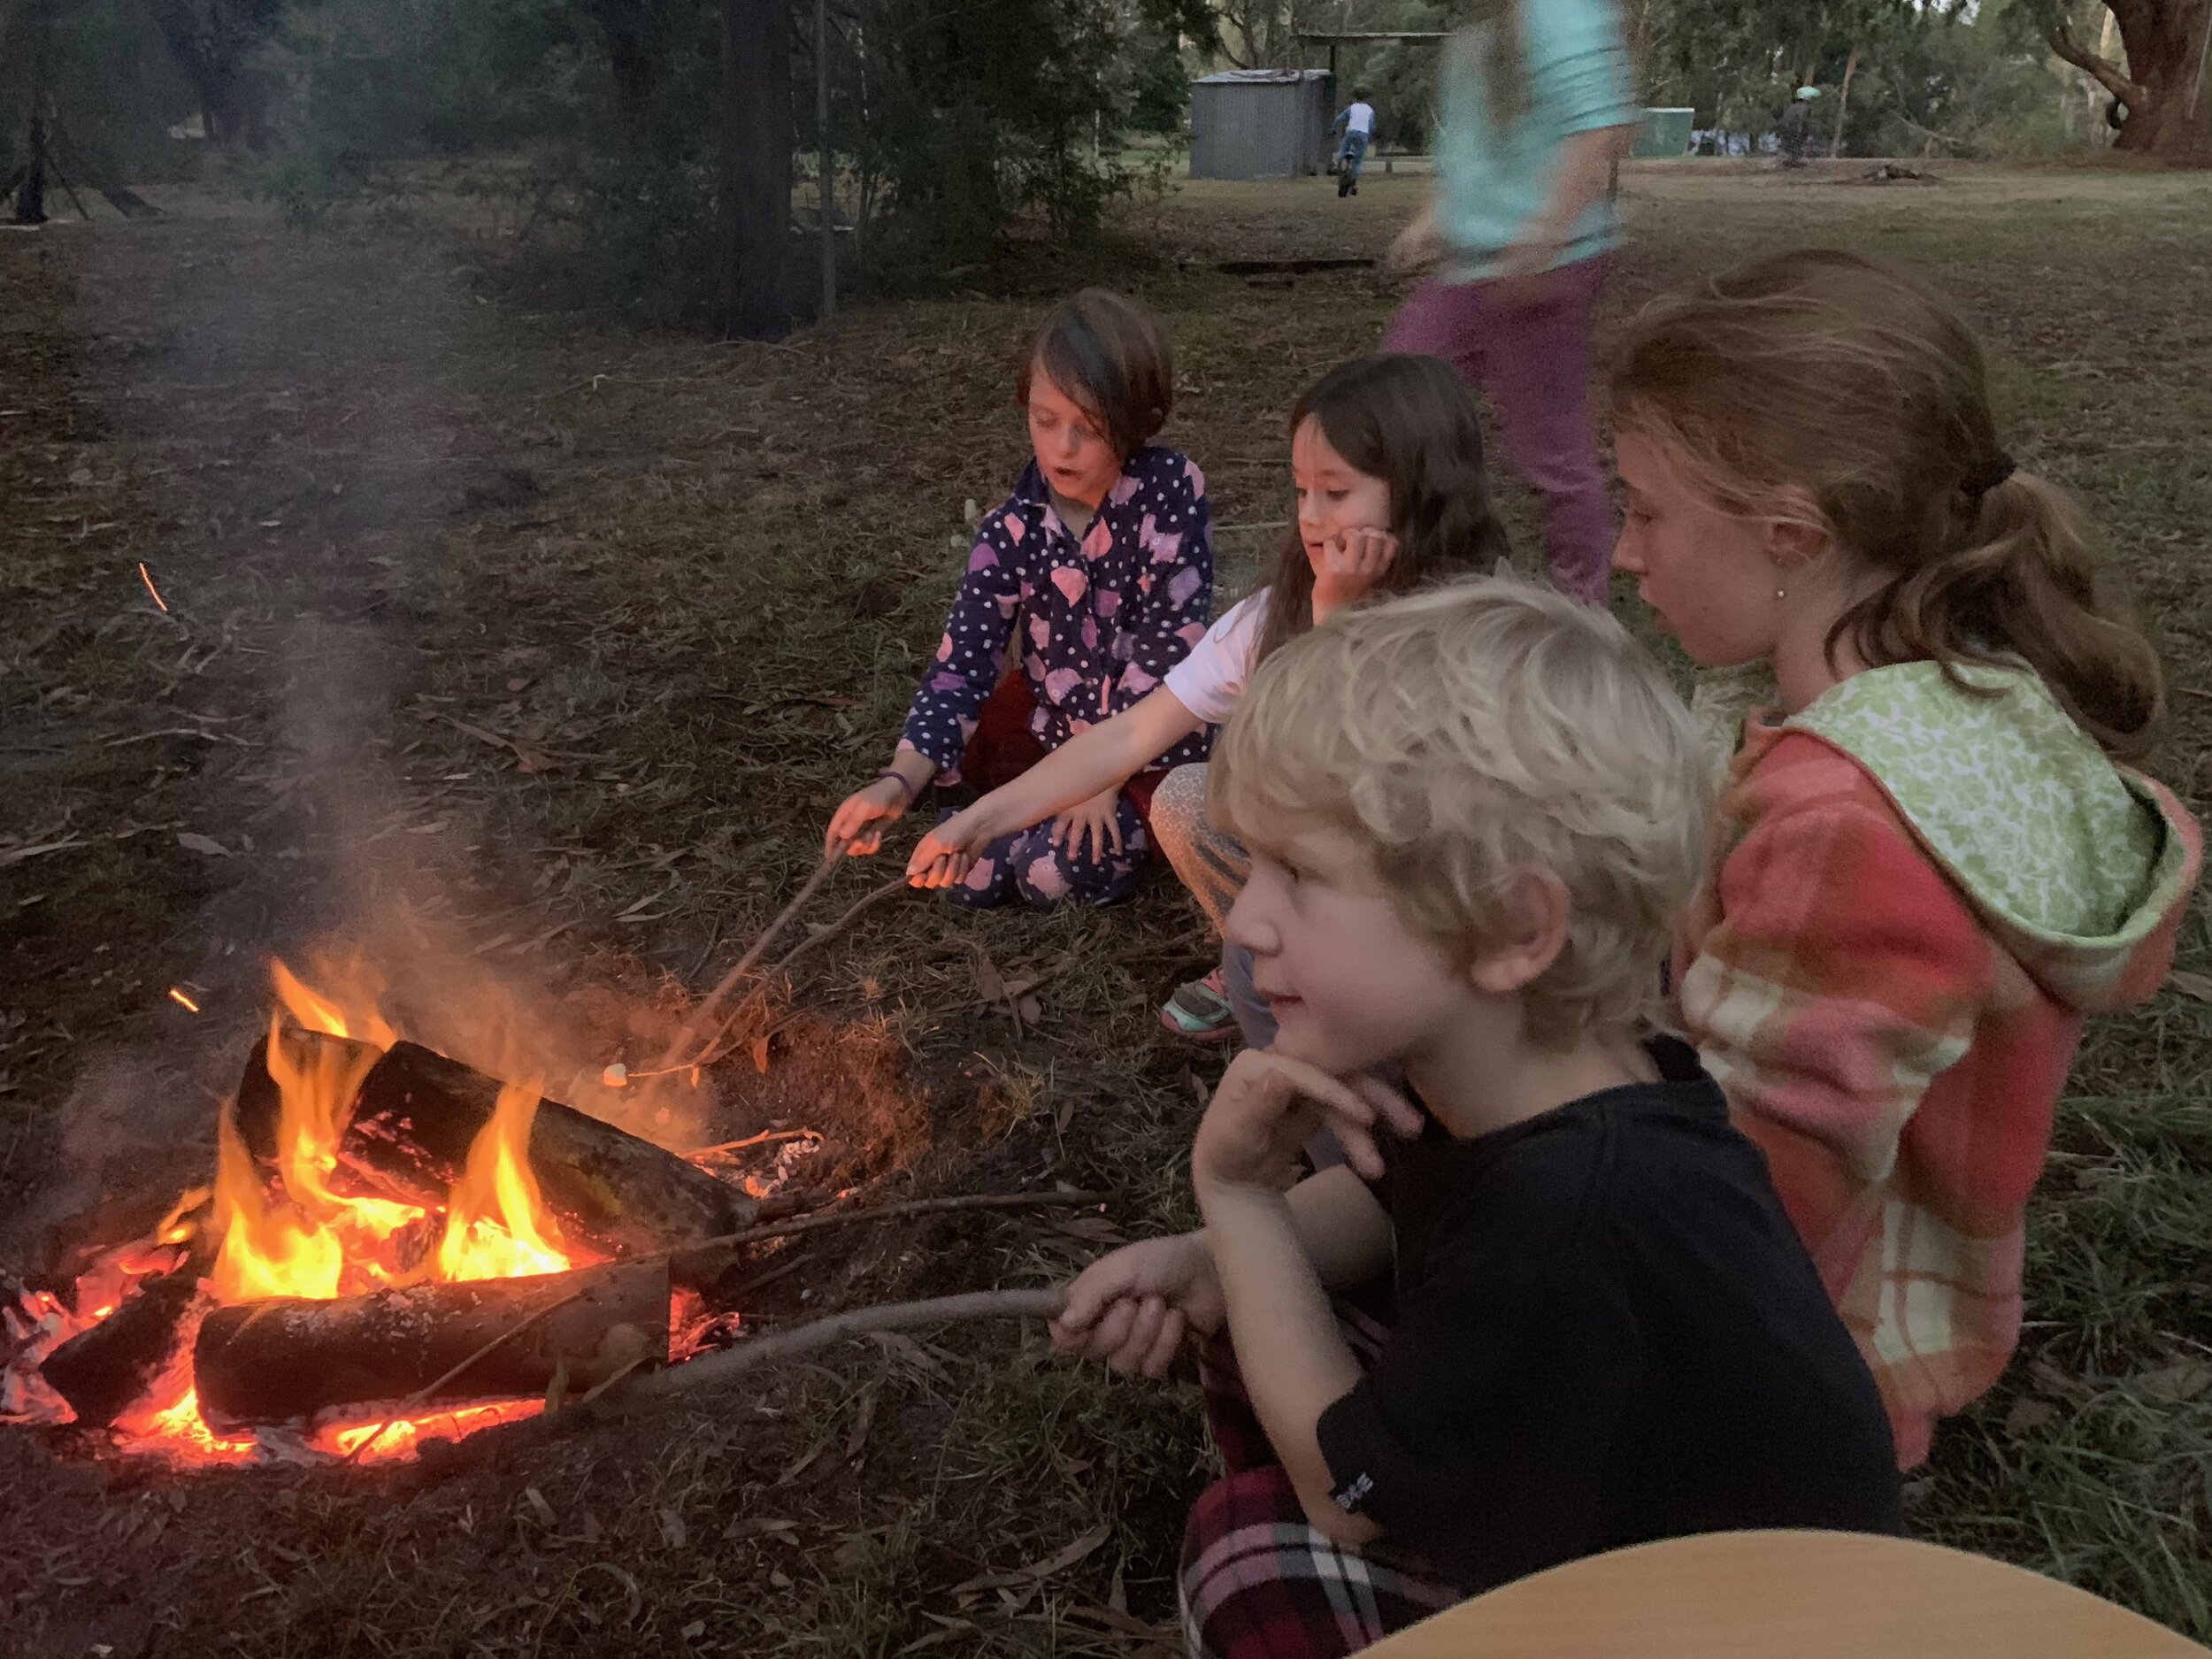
<point x="1932" y="862"/>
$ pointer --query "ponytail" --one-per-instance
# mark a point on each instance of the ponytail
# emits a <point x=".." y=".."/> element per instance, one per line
<point x="1819" y="389"/>
<point x="2021" y="585"/>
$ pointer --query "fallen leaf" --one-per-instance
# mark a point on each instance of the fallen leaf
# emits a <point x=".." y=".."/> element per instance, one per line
<point x="2183" y="1381"/>
<point x="2029" y="1414"/>
<point x="907" y="1349"/>
<point x="760" y="1053"/>
<point x="205" y="844"/>
<point x="748" y="1527"/>
<point x="1057" y="1562"/>
<point x="2050" y="1380"/>
<point x="693" y="1631"/>
<point x="990" y="985"/>
<point x="1030" y="1009"/>
<point x="522" y="684"/>
<point x="779" y="1577"/>
<point x="672" y="1528"/>
<point x="538" y="1505"/>
<point x="2196" y="985"/>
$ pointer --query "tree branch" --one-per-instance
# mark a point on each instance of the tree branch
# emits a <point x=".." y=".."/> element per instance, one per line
<point x="2060" y="33"/>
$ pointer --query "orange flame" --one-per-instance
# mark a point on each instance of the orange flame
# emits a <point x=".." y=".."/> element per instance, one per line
<point x="496" y="1223"/>
<point x="296" y="1234"/>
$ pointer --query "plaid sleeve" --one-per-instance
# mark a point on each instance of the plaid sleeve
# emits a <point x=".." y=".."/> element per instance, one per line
<point x="1837" y="974"/>
<point x="1479" y="1438"/>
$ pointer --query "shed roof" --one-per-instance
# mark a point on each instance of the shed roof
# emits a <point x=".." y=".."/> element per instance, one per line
<point x="1261" y="77"/>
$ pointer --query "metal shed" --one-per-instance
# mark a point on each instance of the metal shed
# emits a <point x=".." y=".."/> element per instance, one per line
<point x="1261" y="123"/>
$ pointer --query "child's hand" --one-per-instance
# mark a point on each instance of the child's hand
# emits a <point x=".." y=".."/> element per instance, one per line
<point x="949" y="851"/>
<point x="1132" y="1310"/>
<point x="856" y="827"/>
<point x="1352" y="562"/>
<point x="1096" y="815"/>
<point x="1266" y="1107"/>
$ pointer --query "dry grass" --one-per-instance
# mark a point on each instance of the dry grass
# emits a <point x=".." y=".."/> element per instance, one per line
<point x="689" y="586"/>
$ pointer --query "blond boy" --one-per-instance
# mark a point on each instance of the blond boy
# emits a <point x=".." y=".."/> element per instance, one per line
<point x="1473" y="815"/>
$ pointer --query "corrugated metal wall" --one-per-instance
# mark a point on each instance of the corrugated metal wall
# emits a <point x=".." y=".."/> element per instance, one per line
<point x="1272" y="129"/>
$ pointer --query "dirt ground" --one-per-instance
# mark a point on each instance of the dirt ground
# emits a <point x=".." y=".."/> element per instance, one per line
<point x="542" y="647"/>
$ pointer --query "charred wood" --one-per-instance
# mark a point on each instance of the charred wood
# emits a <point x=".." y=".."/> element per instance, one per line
<point x="287" y="1358"/>
<point x="420" y="1112"/>
<point x="100" y="1372"/>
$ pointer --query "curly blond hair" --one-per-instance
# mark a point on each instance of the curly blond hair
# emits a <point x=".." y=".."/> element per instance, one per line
<point x="1471" y="733"/>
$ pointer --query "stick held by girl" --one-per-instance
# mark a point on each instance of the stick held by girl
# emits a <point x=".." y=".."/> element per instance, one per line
<point x="1933" y="864"/>
<point x="1097" y="571"/>
<point x="1387" y="462"/>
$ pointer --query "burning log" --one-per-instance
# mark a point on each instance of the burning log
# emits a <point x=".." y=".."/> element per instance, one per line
<point x="260" y="1102"/>
<point x="414" y="1114"/>
<point x="101" y="1372"/>
<point x="285" y="1358"/>
<point x="419" y="1113"/>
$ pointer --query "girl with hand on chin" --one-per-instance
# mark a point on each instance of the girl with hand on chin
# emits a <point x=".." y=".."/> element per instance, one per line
<point x="1386" y="457"/>
<point x="1098" y="572"/>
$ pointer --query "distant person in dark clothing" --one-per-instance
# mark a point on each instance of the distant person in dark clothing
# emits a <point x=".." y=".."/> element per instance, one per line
<point x="1794" y="131"/>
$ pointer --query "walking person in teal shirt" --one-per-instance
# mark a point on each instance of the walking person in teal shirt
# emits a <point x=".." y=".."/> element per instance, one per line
<point x="1536" y="102"/>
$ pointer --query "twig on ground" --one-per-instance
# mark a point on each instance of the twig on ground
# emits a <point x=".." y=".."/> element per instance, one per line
<point x="710" y="1369"/>
<point x="767" y="1137"/>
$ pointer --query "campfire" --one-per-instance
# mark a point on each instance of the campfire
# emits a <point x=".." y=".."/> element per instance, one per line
<point x="395" y="1246"/>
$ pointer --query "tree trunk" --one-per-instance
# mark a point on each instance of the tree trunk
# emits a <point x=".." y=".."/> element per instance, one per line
<point x="2163" y="87"/>
<point x="753" y="206"/>
<point x="1843" y="102"/>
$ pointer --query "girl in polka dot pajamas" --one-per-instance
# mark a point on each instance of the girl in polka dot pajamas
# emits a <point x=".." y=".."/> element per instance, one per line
<point x="1098" y="571"/>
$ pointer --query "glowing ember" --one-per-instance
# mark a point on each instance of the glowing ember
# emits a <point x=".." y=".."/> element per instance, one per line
<point x="146" y="576"/>
<point x="298" y="1234"/>
<point x="183" y="1001"/>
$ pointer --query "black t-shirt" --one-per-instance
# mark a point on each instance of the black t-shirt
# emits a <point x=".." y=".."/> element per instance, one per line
<point x="1608" y="1332"/>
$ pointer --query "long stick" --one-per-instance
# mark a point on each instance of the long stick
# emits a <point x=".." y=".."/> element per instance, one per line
<point x="886" y="1212"/>
<point x="837" y="927"/>
<point x="673" y="1060"/>
<point x="710" y="1369"/>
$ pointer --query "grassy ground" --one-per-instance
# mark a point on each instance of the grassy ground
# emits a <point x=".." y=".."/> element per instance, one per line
<point x="685" y="588"/>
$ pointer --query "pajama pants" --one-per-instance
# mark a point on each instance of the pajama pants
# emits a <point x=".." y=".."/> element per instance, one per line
<point x="1533" y="361"/>
<point x="1026" y="865"/>
<point x="1257" y="1581"/>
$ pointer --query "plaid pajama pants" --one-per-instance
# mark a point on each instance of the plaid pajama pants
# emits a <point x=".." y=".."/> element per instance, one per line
<point x="1258" y="1582"/>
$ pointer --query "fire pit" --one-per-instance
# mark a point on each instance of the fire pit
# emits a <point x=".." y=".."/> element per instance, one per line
<point x="395" y="1246"/>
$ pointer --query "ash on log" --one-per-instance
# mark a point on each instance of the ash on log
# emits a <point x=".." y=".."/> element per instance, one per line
<point x="420" y="1112"/>
<point x="287" y="1358"/>
<point x="101" y="1371"/>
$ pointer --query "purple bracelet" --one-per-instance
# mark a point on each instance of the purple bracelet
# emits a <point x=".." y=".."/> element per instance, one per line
<point x="899" y="779"/>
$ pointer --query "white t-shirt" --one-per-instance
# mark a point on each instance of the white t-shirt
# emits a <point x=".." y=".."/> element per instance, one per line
<point x="1360" y="119"/>
<point x="1212" y="677"/>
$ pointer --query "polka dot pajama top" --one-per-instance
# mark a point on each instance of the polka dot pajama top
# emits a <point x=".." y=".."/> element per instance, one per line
<point x="1099" y="621"/>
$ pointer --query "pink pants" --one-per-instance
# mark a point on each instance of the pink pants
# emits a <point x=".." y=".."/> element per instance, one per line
<point x="1534" y="363"/>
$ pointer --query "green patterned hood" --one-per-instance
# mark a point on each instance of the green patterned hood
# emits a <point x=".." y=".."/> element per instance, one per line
<point x="2072" y="860"/>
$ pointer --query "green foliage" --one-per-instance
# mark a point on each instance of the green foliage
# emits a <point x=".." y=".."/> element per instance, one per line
<point x="951" y="121"/>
